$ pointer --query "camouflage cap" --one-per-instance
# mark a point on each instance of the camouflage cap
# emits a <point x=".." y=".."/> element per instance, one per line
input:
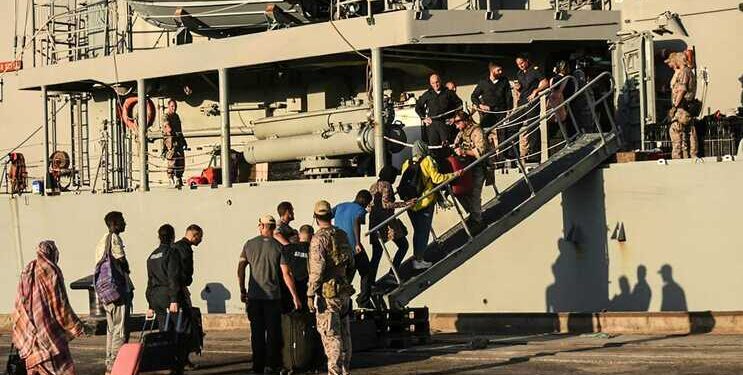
<point x="322" y="208"/>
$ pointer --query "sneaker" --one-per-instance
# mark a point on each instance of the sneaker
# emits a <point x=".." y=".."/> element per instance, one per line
<point x="421" y="264"/>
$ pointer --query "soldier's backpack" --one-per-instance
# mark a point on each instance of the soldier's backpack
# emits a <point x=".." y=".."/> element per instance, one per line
<point x="341" y="257"/>
<point x="340" y="252"/>
<point x="411" y="183"/>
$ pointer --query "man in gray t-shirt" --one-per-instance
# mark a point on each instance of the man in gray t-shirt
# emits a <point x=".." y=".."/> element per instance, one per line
<point x="263" y="295"/>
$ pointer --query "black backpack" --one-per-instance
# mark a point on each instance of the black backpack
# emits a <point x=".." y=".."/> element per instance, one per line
<point x="411" y="183"/>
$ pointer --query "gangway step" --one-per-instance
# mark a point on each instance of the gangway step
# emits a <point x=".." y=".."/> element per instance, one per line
<point x="500" y="214"/>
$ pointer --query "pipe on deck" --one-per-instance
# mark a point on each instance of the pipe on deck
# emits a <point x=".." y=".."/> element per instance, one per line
<point x="356" y="141"/>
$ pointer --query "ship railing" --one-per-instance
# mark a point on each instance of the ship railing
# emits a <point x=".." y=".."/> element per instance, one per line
<point x="528" y="126"/>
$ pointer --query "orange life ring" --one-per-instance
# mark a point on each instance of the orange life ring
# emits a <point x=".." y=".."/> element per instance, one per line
<point x="127" y="112"/>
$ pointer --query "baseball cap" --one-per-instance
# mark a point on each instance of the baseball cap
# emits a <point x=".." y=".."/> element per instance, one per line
<point x="322" y="208"/>
<point x="267" y="219"/>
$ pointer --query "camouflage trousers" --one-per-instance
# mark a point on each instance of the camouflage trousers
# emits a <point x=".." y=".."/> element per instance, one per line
<point x="334" y="326"/>
<point x="176" y="162"/>
<point x="683" y="135"/>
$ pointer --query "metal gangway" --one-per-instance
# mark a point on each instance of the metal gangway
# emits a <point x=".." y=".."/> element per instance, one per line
<point x="580" y="154"/>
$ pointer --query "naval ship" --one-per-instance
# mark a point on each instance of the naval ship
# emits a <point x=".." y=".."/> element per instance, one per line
<point x="306" y="100"/>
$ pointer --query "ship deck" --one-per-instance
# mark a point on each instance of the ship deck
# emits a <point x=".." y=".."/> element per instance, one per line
<point x="392" y="29"/>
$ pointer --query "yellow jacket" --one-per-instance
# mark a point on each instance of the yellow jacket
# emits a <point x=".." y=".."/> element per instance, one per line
<point x="431" y="178"/>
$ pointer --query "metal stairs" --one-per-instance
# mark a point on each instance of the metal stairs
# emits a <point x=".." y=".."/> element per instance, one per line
<point x="454" y="247"/>
<point x="580" y="155"/>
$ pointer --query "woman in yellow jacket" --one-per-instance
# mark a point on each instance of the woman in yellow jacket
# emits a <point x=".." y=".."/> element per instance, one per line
<point x="421" y="215"/>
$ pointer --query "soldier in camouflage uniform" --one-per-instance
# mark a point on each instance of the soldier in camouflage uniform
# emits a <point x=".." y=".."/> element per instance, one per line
<point x="329" y="292"/>
<point x="470" y="144"/>
<point x="174" y="145"/>
<point x="683" y="90"/>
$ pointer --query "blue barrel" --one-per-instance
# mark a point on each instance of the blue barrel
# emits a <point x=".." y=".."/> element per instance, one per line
<point x="37" y="186"/>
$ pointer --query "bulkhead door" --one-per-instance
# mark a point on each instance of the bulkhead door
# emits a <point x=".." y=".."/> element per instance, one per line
<point x="634" y="71"/>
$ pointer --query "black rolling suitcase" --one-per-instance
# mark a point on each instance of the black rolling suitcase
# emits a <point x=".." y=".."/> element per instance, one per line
<point x="160" y="349"/>
<point x="302" y="351"/>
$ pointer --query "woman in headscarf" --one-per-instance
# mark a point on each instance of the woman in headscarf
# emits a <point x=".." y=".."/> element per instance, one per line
<point x="43" y="320"/>
<point x="421" y="215"/>
<point x="382" y="208"/>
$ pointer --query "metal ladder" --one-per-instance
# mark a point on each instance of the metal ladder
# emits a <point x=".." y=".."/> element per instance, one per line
<point x="70" y="30"/>
<point x="80" y="138"/>
<point x="581" y="154"/>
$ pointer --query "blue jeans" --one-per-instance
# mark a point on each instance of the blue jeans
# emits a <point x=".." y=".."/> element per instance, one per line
<point x="422" y="221"/>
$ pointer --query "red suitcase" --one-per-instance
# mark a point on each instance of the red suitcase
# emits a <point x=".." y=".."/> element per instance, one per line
<point x="128" y="359"/>
<point x="129" y="356"/>
<point x="462" y="185"/>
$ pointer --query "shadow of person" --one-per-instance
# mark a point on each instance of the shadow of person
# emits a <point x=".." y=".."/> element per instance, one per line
<point x="674" y="298"/>
<point x="641" y="293"/>
<point x="216" y="297"/>
<point x="623" y="300"/>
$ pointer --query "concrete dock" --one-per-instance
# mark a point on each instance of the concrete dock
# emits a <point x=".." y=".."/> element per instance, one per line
<point x="228" y="352"/>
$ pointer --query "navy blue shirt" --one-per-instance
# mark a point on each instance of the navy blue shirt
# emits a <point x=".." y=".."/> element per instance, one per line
<point x="529" y="81"/>
<point x="345" y="215"/>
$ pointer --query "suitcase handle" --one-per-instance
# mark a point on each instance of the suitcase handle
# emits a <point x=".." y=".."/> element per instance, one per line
<point x="144" y="326"/>
<point x="178" y="328"/>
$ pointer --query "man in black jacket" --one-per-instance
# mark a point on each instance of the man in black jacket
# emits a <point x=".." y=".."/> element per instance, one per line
<point x="183" y="247"/>
<point x="492" y="96"/>
<point x="193" y="237"/>
<point x="435" y="107"/>
<point x="165" y="290"/>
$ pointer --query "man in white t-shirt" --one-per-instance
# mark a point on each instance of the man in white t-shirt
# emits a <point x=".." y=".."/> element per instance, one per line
<point x="117" y="313"/>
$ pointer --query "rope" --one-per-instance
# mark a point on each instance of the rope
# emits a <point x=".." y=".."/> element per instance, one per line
<point x="392" y="140"/>
<point x="446" y="113"/>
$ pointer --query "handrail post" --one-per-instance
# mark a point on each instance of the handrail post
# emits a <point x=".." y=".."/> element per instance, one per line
<point x="563" y="130"/>
<point x="591" y="106"/>
<point x="543" y="133"/>
<point x="459" y="212"/>
<point x="389" y="258"/>
<point x="520" y="164"/>
<point x="572" y="119"/>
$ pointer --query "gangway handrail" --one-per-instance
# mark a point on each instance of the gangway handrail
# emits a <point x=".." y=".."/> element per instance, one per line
<point x="491" y="153"/>
<point x="511" y="142"/>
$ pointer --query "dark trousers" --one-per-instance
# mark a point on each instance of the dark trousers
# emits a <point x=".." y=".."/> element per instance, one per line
<point x="182" y="331"/>
<point x="265" y="333"/>
<point x="422" y="221"/>
<point x="490" y="119"/>
<point x="439" y="133"/>
<point x="402" y="249"/>
<point x="361" y="261"/>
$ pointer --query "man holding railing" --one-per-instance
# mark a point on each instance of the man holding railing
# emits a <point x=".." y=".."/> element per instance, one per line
<point x="531" y="83"/>
<point x="492" y="96"/>
<point x="435" y="107"/>
<point x="470" y="144"/>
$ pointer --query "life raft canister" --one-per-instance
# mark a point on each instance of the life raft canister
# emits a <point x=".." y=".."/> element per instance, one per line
<point x="127" y="112"/>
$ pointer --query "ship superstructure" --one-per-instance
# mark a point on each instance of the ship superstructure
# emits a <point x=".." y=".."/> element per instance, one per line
<point x="328" y="95"/>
